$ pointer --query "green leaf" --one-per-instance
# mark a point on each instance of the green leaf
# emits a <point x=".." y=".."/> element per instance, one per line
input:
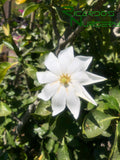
<point x="103" y="106"/>
<point x="4" y="68"/>
<point x="4" y="109"/>
<point x="112" y="102"/>
<point x="106" y="134"/>
<point x="28" y="101"/>
<point x="115" y="92"/>
<point x="63" y="153"/>
<point x="29" y="9"/>
<point x="90" y="106"/>
<point x="8" y="45"/>
<point x="50" y="145"/>
<point x="42" y="108"/>
<point x="42" y="130"/>
<point x="40" y="50"/>
<point x="31" y="71"/>
<point x="95" y="123"/>
<point x="10" y="139"/>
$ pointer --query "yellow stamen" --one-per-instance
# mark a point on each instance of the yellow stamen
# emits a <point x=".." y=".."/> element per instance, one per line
<point x="64" y="79"/>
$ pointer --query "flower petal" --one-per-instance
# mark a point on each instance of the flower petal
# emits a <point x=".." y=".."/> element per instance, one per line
<point x="79" y="76"/>
<point x="86" y="78"/>
<point x="84" y="61"/>
<point x="93" y="78"/>
<point x="73" y="102"/>
<point x="80" y="63"/>
<point x="59" y="101"/>
<point x="75" y="66"/>
<point x="51" y="62"/>
<point x="48" y="91"/>
<point x="81" y="92"/>
<point x="46" y="77"/>
<point x="65" y="58"/>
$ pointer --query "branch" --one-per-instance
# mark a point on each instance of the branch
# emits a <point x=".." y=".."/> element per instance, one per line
<point x="69" y="37"/>
<point x="54" y="23"/>
<point x="32" y="18"/>
<point x="26" y="116"/>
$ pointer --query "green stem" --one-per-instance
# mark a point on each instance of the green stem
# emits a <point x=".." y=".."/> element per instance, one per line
<point x="16" y="49"/>
<point x="115" y="141"/>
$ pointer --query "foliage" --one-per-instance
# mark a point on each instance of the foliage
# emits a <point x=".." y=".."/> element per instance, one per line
<point x="27" y="128"/>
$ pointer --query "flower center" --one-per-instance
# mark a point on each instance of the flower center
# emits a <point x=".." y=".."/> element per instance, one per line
<point x="65" y="79"/>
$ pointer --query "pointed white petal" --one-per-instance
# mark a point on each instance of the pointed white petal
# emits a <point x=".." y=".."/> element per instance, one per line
<point x="73" y="102"/>
<point x="81" y="92"/>
<point x="65" y="58"/>
<point x="51" y="62"/>
<point x="46" y="77"/>
<point x="59" y="101"/>
<point x="48" y="91"/>
<point x="84" y="61"/>
<point x="86" y="78"/>
<point x="92" y="78"/>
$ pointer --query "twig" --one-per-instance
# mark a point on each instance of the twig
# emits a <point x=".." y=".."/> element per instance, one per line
<point x="32" y="17"/>
<point x="54" y="23"/>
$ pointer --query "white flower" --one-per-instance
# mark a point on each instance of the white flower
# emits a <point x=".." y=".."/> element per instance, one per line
<point x="65" y="80"/>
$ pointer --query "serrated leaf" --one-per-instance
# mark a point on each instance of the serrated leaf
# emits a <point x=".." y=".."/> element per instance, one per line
<point x="95" y="123"/>
<point x="4" y="109"/>
<point x="29" y="9"/>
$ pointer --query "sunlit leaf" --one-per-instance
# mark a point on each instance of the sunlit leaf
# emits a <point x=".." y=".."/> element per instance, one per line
<point x="115" y="92"/>
<point x="31" y="71"/>
<point x="9" y="45"/>
<point x="4" y="109"/>
<point x="6" y="29"/>
<point x="4" y="68"/>
<point x="63" y="153"/>
<point x="95" y="123"/>
<point x="42" y="130"/>
<point x="29" y="9"/>
<point x="112" y="102"/>
<point x="50" y="145"/>
<point x="42" y="108"/>
<point x="10" y="139"/>
<point x="28" y="101"/>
